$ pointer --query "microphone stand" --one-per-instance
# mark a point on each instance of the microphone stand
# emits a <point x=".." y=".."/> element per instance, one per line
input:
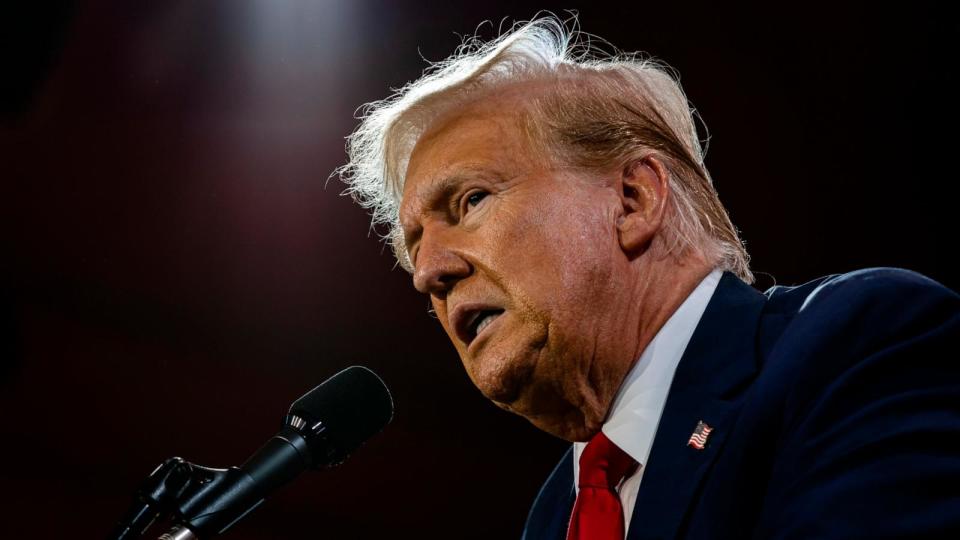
<point x="156" y="498"/>
<point x="202" y="501"/>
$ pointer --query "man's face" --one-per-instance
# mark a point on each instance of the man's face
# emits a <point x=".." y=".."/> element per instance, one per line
<point x="523" y="267"/>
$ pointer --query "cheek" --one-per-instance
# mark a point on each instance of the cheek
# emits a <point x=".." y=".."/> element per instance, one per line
<point x="568" y="252"/>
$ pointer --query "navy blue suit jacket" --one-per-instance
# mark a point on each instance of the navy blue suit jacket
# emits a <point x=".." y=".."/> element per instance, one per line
<point x="835" y="409"/>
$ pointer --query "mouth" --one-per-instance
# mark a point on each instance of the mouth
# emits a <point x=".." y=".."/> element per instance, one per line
<point x="469" y="321"/>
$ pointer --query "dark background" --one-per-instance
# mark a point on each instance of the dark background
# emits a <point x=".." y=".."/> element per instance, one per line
<point x="176" y="269"/>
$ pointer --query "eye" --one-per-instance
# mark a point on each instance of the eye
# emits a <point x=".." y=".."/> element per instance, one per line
<point x="474" y="198"/>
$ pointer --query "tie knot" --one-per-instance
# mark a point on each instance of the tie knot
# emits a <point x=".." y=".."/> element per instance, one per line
<point x="603" y="464"/>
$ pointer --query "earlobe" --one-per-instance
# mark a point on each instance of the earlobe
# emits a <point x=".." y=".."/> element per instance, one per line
<point x="643" y="192"/>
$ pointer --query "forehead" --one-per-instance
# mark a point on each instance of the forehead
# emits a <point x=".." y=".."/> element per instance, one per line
<point x="486" y="138"/>
<point x="479" y="134"/>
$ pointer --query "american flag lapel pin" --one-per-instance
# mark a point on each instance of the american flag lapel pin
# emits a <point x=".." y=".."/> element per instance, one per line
<point x="700" y="434"/>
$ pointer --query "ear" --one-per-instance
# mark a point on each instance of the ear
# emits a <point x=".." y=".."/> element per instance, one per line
<point x="643" y="193"/>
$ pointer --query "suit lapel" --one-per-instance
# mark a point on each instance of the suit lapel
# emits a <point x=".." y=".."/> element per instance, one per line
<point x="716" y="365"/>
<point x="550" y="513"/>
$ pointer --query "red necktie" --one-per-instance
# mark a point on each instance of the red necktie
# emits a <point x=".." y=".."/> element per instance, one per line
<point x="597" y="513"/>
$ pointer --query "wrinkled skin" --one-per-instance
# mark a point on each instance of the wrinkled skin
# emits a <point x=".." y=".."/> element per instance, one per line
<point x="569" y="257"/>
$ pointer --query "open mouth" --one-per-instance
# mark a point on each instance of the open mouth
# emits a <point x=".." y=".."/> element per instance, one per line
<point x="479" y="321"/>
<point x="483" y="320"/>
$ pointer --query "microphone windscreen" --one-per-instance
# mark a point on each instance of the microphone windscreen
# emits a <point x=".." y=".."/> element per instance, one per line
<point x="341" y="413"/>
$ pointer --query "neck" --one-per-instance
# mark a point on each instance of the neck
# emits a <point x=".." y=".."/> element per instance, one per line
<point x="656" y="287"/>
<point x="659" y="286"/>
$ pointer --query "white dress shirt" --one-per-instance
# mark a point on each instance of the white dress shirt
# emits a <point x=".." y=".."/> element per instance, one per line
<point x="635" y="413"/>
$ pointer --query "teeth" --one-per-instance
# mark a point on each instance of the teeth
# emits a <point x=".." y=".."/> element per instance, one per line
<point x="486" y="321"/>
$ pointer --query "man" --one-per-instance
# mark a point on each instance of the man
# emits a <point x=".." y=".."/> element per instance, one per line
<point x="557" y="211"/>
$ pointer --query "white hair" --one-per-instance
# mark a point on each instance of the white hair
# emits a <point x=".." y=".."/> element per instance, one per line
<point x="621" y="107"/>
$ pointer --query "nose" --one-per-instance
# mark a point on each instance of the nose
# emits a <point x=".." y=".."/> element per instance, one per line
<point x="439" y="265"/>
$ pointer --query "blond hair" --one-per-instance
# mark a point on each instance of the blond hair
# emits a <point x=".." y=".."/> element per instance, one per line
<point x="622" y="106"/>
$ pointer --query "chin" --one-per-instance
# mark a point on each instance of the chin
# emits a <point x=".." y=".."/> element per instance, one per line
<point x="505" y="374"/>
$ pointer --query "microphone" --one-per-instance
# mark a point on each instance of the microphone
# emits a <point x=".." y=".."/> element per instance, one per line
<point x="321" y="429"/>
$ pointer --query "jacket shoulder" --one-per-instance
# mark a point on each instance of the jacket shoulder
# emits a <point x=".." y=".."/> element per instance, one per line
<point x="869" y="287"/>
<point x="860" y="387"/>
<point x="873" y="302"/>
<point x="829" y="325"/>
